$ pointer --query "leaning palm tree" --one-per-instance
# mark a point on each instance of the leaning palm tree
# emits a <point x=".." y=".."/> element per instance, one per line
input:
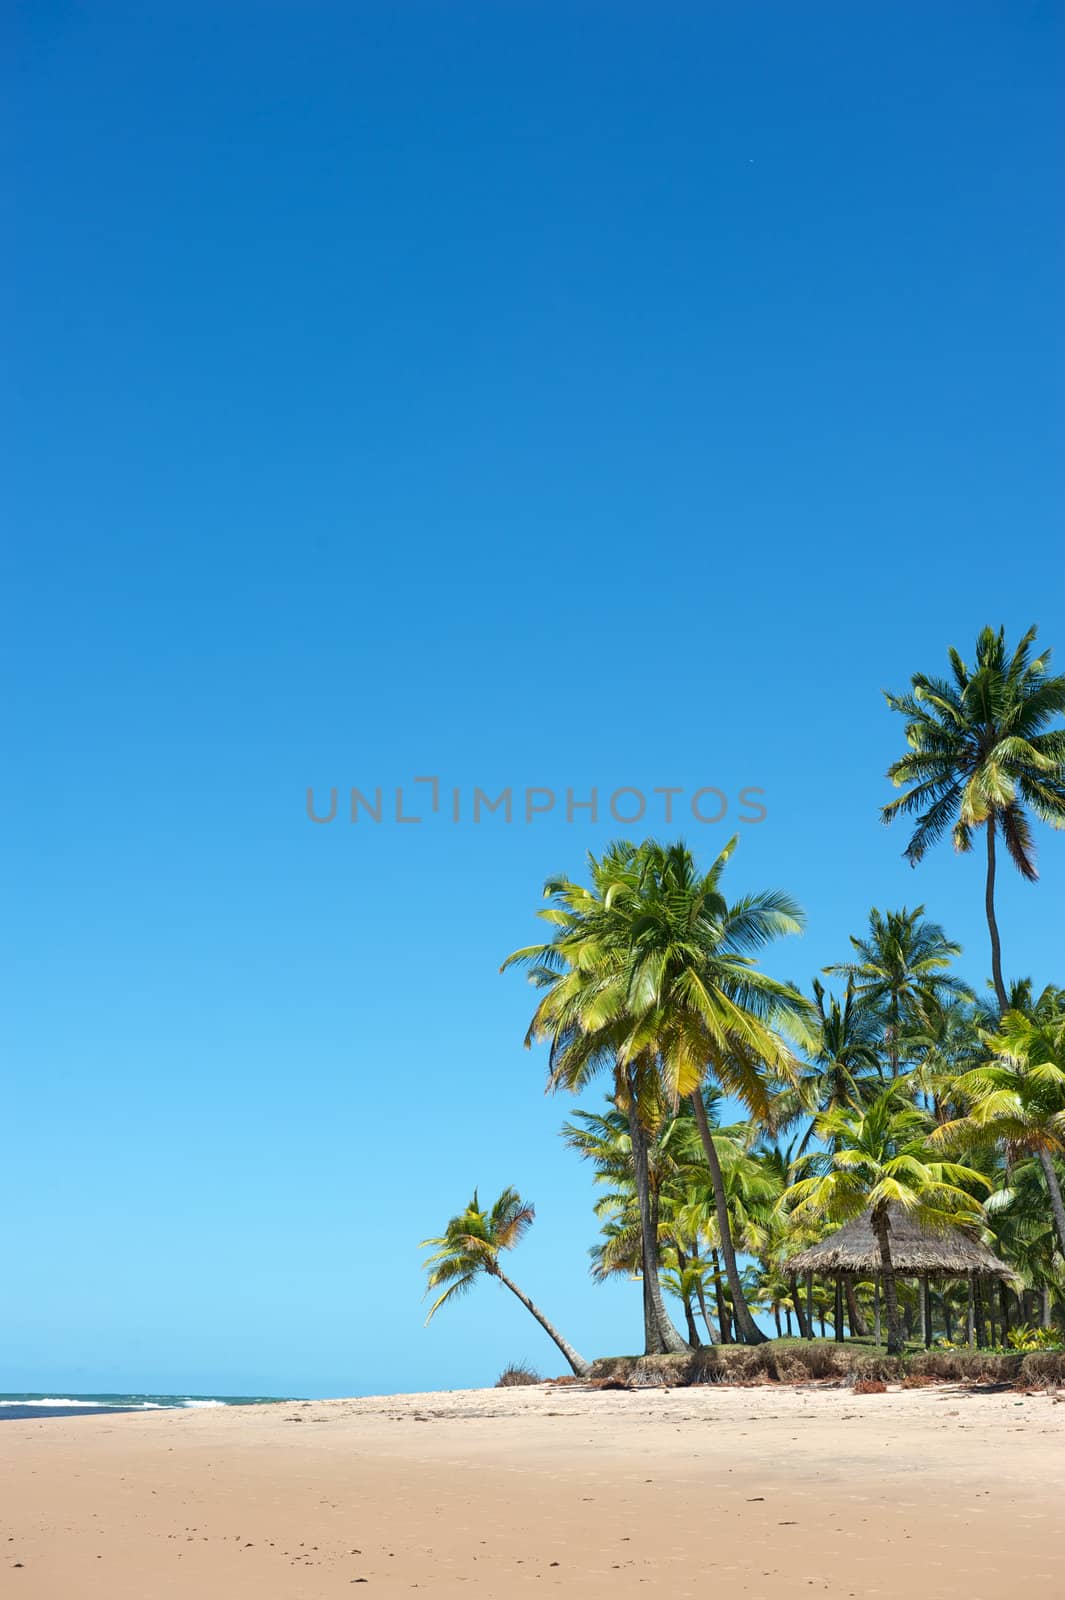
<point x="900" y="973"/>
<point x="1018" y="1097"/>
<point x="880" y="1157"/>
<point x="981" y="750"/>
<point x="471" y="1246"/>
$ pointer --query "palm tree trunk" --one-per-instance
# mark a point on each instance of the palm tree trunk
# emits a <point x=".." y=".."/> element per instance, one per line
<point x="805" y="1330"/>
<point x="686" y="1297"/>
<point x="722" y="1309"/>
<point x="712" y="1332"/>
<point x="1057" y="1206"/>
<point x="746" y="1327"/>
<point x="857" y="1321"/>
<point x="581" y="1367"/>
<point x="1004" y="1310"/>
<point x="1044" y="1313"/>
<point x="992" y="924"/>
<point x="659" y="1334"/>
<point x="893" y="1028"/>
<point x="887" y="1272"/>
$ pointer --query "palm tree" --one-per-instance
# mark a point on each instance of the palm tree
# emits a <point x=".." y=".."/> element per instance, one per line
<point x="1025" y="1236"/>
<point x="901" y="972"/>
<point x="981" y="749"/>
<point x="471" y="1245"/>
<point x="843" y="1062"/>
<point x="944" y="1045"/>
<point x="679" y="1196"/>
<point x="879" y="1157"/>
<point x="701" y="1006"/>
<point x="654" y="972"/>
<point x="605" y="1139"/>
<point x="1018" y="1097"/>
<point x="585" y="1019"/>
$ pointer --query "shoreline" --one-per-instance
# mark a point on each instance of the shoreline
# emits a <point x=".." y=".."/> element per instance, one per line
<point x="772" y="1490"/>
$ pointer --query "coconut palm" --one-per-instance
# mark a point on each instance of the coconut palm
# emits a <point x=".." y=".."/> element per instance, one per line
<point x="877" y="1157"/>
<point x="471" y="1246"/>
<point x="943" y="1045"/>
<point x="900" y="973"/>
<point x="981" y="750"/>
<point x="1018" y="1097"/>
<point x="585" y="1018"/>
<point x="681" y="1206"/>
<point x="701" y="1008"/>
<point x="605" y="1139"/>
<point x="843" y="1064"/>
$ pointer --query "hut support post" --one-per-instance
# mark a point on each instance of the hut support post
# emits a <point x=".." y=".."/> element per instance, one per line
<point x="876" y="1311"/>
<point x="837" y="1310"/>
<point x="926" y="1312"/>
<point x="810" y="1305"/>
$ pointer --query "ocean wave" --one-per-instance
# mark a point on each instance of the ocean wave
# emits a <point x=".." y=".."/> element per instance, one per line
<point x="64" y="1400"/>
<point x="200" y="1404"/>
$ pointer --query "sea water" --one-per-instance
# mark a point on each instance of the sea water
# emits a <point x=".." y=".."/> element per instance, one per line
<point x="88" y="1405"/>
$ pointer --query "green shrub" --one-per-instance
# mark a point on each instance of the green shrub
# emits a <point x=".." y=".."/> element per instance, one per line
<point x="1029" y="1338"/>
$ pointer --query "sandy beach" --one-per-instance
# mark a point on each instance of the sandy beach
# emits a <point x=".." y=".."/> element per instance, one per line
<point x="764" y="1492"/>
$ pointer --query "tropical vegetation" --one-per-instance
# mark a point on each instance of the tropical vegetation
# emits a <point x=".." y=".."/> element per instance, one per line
<point x="747" y="1117"/>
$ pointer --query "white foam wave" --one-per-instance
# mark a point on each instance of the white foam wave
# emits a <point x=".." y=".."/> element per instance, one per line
<point x="58" y="1401"/>
<point x="194" y="1405"/>
<point x="93" y="1405"/>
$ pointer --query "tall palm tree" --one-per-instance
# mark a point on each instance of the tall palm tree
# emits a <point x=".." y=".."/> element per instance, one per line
<point x="584" y="1018"/>
<point x="1018" y="1097"/>
<point x="702" y="1008"/>
<point x="981" y="749"/>
<point x="877" y="1157"/>
<point x="901" y="972"/>
<point x="654" y="972"/>
<point x="470" y="1247"/>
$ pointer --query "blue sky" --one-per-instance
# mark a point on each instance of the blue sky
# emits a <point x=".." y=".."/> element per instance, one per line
<point x="528" y="395"/>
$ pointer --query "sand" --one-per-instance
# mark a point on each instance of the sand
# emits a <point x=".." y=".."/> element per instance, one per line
<point x="771" y="1492"/>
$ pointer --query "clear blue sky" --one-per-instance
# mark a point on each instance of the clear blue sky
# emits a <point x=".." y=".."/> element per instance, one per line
<point x="527" y="394"/>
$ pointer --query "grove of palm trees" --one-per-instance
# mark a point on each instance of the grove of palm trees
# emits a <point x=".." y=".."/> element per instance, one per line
<point x="746" y="1119"/>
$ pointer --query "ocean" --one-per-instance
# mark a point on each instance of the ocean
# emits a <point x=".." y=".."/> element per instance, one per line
<point x="13" y="1406"/>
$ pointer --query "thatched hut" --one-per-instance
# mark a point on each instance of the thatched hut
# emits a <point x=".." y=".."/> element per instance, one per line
<point x="853" y="1252"/>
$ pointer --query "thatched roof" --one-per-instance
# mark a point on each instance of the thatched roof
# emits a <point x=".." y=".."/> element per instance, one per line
<point x="946" y="1253"/>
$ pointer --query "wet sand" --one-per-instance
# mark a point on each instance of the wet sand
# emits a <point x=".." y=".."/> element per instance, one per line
<point x="762" y="1492"/>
